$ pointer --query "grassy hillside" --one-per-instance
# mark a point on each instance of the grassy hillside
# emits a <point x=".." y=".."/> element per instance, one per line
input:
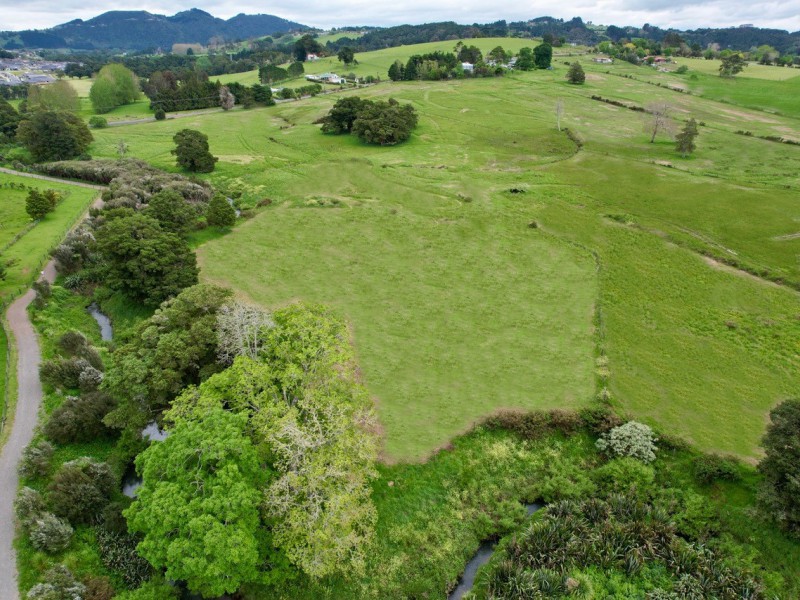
<point x="459" y="307"/>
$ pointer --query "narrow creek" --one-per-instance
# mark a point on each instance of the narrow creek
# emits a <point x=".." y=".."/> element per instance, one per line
<point x="482" y="556"/>
<point x="130" y="481"/>
<point x="106" y="331"/>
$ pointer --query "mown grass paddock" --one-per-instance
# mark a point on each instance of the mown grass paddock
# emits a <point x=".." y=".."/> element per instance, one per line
<point x="458" y="306"/>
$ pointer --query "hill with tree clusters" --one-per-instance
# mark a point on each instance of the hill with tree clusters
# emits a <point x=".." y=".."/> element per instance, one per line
<point x="137" y="30"/>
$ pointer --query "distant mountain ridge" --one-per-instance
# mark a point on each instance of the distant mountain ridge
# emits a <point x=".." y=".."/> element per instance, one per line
<point x="138" y="30"/>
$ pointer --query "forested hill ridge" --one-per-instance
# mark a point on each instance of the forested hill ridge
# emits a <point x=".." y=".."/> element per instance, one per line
<point x="138" y="30"/>
<point x="574" y="30"/>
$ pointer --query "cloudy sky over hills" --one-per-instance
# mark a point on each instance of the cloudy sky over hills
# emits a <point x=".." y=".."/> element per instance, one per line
<point x="683" y="14"/>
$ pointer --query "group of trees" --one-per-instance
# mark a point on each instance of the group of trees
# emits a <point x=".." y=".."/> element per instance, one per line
<point x="374" y="122"/>
<point x="538" y="58"/>
<point x="52" y="135"/>
<point x="265" y="414"/>
<point x="137" y="244"/>
<point x="114" y="86"/>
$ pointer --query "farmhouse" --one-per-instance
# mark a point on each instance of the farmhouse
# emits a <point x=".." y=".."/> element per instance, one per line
<point x="326" y="78"/>
<point x="604" y="60"/>
<point x="468" y="66"/>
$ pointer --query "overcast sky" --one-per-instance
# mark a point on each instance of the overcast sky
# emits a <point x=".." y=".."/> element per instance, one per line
<point x="683" y="14"/>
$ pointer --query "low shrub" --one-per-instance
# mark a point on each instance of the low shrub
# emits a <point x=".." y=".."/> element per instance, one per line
<point x="97" y="122"/>
<point x="81" y="489"/>
<point x="36" y="459"/>
<point x="599" y="419"/>
<point x="98" y="588"/>
<point x="160" y="114"/>
<point x="709" y="468"/>
<point x="57" y="584"/>
<point x="632" y="439"/>
<point x="624" y="475"/>
<point x="48" y="533"/>
<point x="63" y="372"/>
<point x="28" y="504"/>
<point x="80" y="418"/>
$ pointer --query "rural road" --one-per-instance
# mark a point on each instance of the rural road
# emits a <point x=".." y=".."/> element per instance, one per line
<point x="29" y="397"/>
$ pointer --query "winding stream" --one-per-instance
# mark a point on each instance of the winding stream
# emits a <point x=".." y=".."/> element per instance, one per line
<point x="106" y="331"/>
<point x="482" y="556"/>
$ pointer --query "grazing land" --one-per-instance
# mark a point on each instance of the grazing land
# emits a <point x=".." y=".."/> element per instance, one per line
<point x="458" y="306"/>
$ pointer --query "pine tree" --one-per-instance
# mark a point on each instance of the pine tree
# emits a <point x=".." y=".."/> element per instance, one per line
<point x="684" y="141"/>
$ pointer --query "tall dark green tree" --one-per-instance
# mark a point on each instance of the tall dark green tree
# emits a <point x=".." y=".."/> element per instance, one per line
<point x="576" y="74"/>
<point x="684" y="141"/>
<point x="191" y="151"/>
<point x="306" y="45"/>
<point x="543" y="55"/>
<point x="780" y="493"/>
<point x="347" y="56"/>
<point x="54" y="135"/>
<point x="39" y="203"/>
<point x="341" y="117"/>
<point x="144" y="261"/>
<point x="9" y="120"/>
<point x="525" y="60"/>
<point x="397" y="71"/>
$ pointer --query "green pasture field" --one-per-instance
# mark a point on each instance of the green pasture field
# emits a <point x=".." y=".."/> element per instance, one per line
<point x="458" y="307"/>
<point x="752" y="71"/>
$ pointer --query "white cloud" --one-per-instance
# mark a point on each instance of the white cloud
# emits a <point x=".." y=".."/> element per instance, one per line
<point x="684" y="14"/>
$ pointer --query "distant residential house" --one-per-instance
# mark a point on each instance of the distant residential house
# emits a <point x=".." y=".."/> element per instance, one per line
<point x="468" y="66"/>
<point x="312" y="56"/>
<point x="326" y="78"/>
<point x="36" y="78"/>
<point x="604" y="60"/>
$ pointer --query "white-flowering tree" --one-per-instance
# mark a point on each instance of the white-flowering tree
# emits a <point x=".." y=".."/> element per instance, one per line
<point x="632" y="439"/>
<point x="240" y="331"/>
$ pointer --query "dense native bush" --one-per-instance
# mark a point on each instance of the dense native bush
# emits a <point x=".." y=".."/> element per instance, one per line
<point x="63" y="372"/>
<point x="48" y="533"/>
<point x="57" y="584"/>
<point x="143" y="261"/>
<point x="36" y="459"/>
<point x="81" y="489"/>
<point x="75" y="251"/>
<point x="80" y="419"/>
<point x="631" y="439"/>
<point x="620" y="534"/>
<point x="709" y="468"/>
<point x="176" y="347"/>
<point x="118" y="553"/>
<point x="780" y="491"/>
